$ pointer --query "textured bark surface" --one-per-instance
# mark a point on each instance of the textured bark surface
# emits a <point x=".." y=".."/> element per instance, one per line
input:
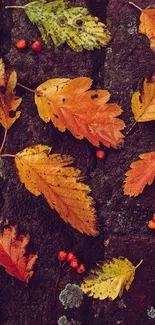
<point x="123" y="220"/>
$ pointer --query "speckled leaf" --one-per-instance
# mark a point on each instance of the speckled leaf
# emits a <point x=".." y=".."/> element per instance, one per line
<point x="60" y="23"/>
<point x="109" y="280"/>
<point x="85" y="113"/>
<point x="143" y="105"/>
<point x="8" y="101"/>
<point x="43" y="173"/>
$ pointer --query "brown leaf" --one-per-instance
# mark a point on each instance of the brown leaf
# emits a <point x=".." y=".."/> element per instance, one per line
<point x="142" y="172"/>
<point x="60" y="185"/>
<point x="12" y="250"/>
<point x="70" y="104"/>
<point x="8" y="101"/>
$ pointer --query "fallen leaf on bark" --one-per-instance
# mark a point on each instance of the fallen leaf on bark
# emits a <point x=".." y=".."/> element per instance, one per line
<point x="143" y="105"/>
<point x="57" y="21"/>
<point x="142" y="172"/>
<point x="8" y="101"/>
<point x="43" y="173"/>
<point x="108" y="280"/>
<point x="12" y="254"/>
<point x="69" y="104"/>
<point x="147" y="25"/>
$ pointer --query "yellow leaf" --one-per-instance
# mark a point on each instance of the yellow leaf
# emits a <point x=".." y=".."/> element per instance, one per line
<point x="43" y="173"/>
<point x="143" y="105"/>
<point x="85" y="113"/>
<point x="8" y="101"/>
<point x="108" y="280"/>
<point x="147" y="25"/>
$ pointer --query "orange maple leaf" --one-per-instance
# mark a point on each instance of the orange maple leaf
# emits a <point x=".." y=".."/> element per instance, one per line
<point x="85" y="113"/>
<point x="147" y="24"/>
<point x="8" y="101"/>
<point x="50" y="175"/>
<point x="12" y="250"/>
<point x="142" y="172"/>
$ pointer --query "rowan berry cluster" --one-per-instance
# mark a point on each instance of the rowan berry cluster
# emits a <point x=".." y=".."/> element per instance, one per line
<point x="22" y="44"/>
<point x="72" y="260"/>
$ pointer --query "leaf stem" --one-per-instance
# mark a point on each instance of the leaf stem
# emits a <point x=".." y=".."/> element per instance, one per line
<point x="131" y="127"/>
<point x="14" y="7"/>
<point x="27" y="88"/>
<point x="134" y="5"/>
<point x="4" y="140"/>
<point x="57" y="282"/>
<point x="139" y="264"/>
<point x="8" y="155"/>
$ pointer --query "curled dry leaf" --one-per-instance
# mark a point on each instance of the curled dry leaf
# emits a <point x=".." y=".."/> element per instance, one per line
<point x="108" y="280"/>
<point x="8" y="101"/>
<point x="51" y="176"/>
<point x="143" y="105"/>
<point x="12" y="250"/>
<point x="69" y="104"/>
<point x="142" y="172"/>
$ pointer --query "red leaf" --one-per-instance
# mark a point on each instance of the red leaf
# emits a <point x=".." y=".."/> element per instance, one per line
<point x="12" y="250"/>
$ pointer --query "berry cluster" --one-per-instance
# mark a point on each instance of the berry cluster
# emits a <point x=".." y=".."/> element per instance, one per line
<point x="22" y="44"/>
<point x="72" y="260"/>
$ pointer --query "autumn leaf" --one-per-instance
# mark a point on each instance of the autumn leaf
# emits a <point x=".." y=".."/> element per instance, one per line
<point x="108" y="280"/>
<point x="147" y="24"/>
<point x="8" y="101"/>
<point x="50" y="175"/>
<point x="142" y="172"/>
<point x="60" y="23"/>
<point x="2" y="74"/>
<point x="69" y="104"/>
<point x="12" y="254"/>
<point x="143" y="105"/>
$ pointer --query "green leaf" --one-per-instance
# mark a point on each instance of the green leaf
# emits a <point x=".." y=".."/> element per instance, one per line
<point x="59" y="23"/>
<point x="110" y="279"/>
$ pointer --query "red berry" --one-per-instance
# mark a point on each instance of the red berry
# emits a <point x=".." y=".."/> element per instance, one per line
<point x="151" y="224"/>
<point x="74" y="264"/>
<point x="71" y="257"/>
<point x="36" y="46"/>
<point x="21" y="44"/>
<point x="81" y="268"/>
<point x="100" y="154"/>
<point x="62" y="255"/>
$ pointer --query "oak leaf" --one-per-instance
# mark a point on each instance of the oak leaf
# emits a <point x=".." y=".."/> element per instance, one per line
<point x="108" y="280"/>
<point x="43" y="173"/>
<point x="69" y="104"/>
<point x="8" y="101"/>
<point x="60" y="23"/>
<point x="12" y="254"/>
<point x="147" y="25"/>
<point x="143" y="105"/>
<point x="142" y="172"/>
